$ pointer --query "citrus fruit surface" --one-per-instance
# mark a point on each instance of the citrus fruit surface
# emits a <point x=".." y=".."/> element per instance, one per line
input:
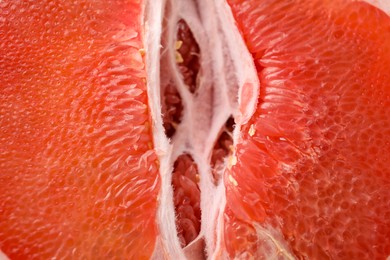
<point x="78" y="174"/>
<point x="312" y="170"/>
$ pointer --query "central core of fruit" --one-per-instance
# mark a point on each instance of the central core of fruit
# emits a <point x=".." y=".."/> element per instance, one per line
<point x="195" y="75"/>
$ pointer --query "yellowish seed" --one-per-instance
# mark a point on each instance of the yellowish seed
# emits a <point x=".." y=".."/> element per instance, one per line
<point x="178" y="45"/>
<point x="252" y="130"/>
<point x="232" y="161"/>
<point x="178" y="57"/>
<point x="232" y="180"/>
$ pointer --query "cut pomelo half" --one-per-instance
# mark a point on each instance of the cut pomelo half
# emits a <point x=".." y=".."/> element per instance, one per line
<point x="194" y="129"/>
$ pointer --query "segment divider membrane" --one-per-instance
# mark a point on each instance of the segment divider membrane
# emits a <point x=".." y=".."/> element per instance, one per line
<point x="201" y="67"/>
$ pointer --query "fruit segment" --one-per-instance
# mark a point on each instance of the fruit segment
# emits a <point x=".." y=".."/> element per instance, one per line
<point x="312" y="172"/>
<point x="172" y="109"/>
<point x="185" y="179"/>
<point x="222" y="150"/>
<point x="78" y="174"/>
<point x="187" y="55"/>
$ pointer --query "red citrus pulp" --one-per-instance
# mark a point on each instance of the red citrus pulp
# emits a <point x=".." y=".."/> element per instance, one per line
<point x="204" y="129"/>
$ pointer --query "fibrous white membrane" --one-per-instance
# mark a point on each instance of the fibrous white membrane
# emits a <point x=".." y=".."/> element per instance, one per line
<point x="225" y="67"/>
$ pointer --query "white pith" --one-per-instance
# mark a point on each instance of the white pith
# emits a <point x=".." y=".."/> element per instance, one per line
<point x="384" y="5"/>
<point x="205" y="112"/>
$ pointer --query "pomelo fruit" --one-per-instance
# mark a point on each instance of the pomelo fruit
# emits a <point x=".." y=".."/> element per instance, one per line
<point x="194" y="129"/>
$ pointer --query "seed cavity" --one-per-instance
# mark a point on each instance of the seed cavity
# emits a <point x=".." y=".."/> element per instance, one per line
<point x="222" y="150"/>
<point x="172" y="109"/>
<point x="187" y="55"/>
<point x="171" y="100"/>
<point x="185" y="180"/>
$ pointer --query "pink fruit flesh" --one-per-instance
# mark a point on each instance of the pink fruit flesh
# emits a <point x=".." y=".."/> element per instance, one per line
<point x="185" y="179"/>
<point x="222" y="149"/>
<point x="188" y="49"/>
